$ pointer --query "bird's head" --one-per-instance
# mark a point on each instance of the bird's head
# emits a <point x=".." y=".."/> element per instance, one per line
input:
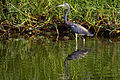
<point x="66" y="4"/>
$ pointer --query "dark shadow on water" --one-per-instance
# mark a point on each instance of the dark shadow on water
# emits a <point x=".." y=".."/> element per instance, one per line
<point x="79" y="54"/>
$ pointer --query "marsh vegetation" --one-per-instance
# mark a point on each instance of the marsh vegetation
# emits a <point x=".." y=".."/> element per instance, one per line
<point x="29" y="46"/>
<point x="41" y="17"/>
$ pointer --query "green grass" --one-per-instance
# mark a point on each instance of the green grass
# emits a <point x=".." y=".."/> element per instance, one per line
<point x="42" y="12"/>
<point x="80" y="9"/>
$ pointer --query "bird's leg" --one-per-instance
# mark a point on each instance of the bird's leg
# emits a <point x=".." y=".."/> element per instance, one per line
<point x="83" y="41"/>
<point x="76" y="41"/>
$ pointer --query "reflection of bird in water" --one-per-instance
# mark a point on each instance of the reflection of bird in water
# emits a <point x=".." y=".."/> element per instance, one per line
<point x="79" y="54"/>
<point x="77" y="29"/>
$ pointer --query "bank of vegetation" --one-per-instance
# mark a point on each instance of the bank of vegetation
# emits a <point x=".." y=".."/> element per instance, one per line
<point x="40" y="17"/>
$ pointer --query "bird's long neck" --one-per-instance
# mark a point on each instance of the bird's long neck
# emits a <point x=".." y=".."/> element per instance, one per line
<point x="65" y="19"/>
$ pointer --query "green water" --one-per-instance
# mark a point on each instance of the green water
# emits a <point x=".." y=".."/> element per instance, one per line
<point x="37" y="59"/>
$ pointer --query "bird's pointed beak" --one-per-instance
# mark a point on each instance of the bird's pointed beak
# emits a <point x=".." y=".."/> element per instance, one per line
<point x="60" y="5"/>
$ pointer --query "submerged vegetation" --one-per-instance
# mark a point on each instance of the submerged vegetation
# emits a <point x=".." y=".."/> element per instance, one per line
<point x="39" y="17"/>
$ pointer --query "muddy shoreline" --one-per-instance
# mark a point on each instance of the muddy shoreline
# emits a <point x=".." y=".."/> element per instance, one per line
<point x="61" y="32"/>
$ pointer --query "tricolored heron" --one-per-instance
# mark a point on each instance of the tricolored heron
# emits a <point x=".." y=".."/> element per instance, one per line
<point x="77" y="29"/>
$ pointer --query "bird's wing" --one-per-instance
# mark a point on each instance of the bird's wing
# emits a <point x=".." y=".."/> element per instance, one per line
<point x="79" y="29"/>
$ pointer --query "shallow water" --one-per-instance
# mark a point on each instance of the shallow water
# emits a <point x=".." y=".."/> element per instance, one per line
<point x="37" y="59"/>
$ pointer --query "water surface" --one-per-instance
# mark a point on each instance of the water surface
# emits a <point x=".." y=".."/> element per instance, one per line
<point x="37" y="59"/>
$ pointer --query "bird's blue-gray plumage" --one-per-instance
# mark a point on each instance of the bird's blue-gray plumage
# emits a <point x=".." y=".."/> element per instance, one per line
<point x="77" y="29"/>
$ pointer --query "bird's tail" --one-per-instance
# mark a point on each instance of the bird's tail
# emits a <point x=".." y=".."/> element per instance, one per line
<point x="90" y="34"/>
